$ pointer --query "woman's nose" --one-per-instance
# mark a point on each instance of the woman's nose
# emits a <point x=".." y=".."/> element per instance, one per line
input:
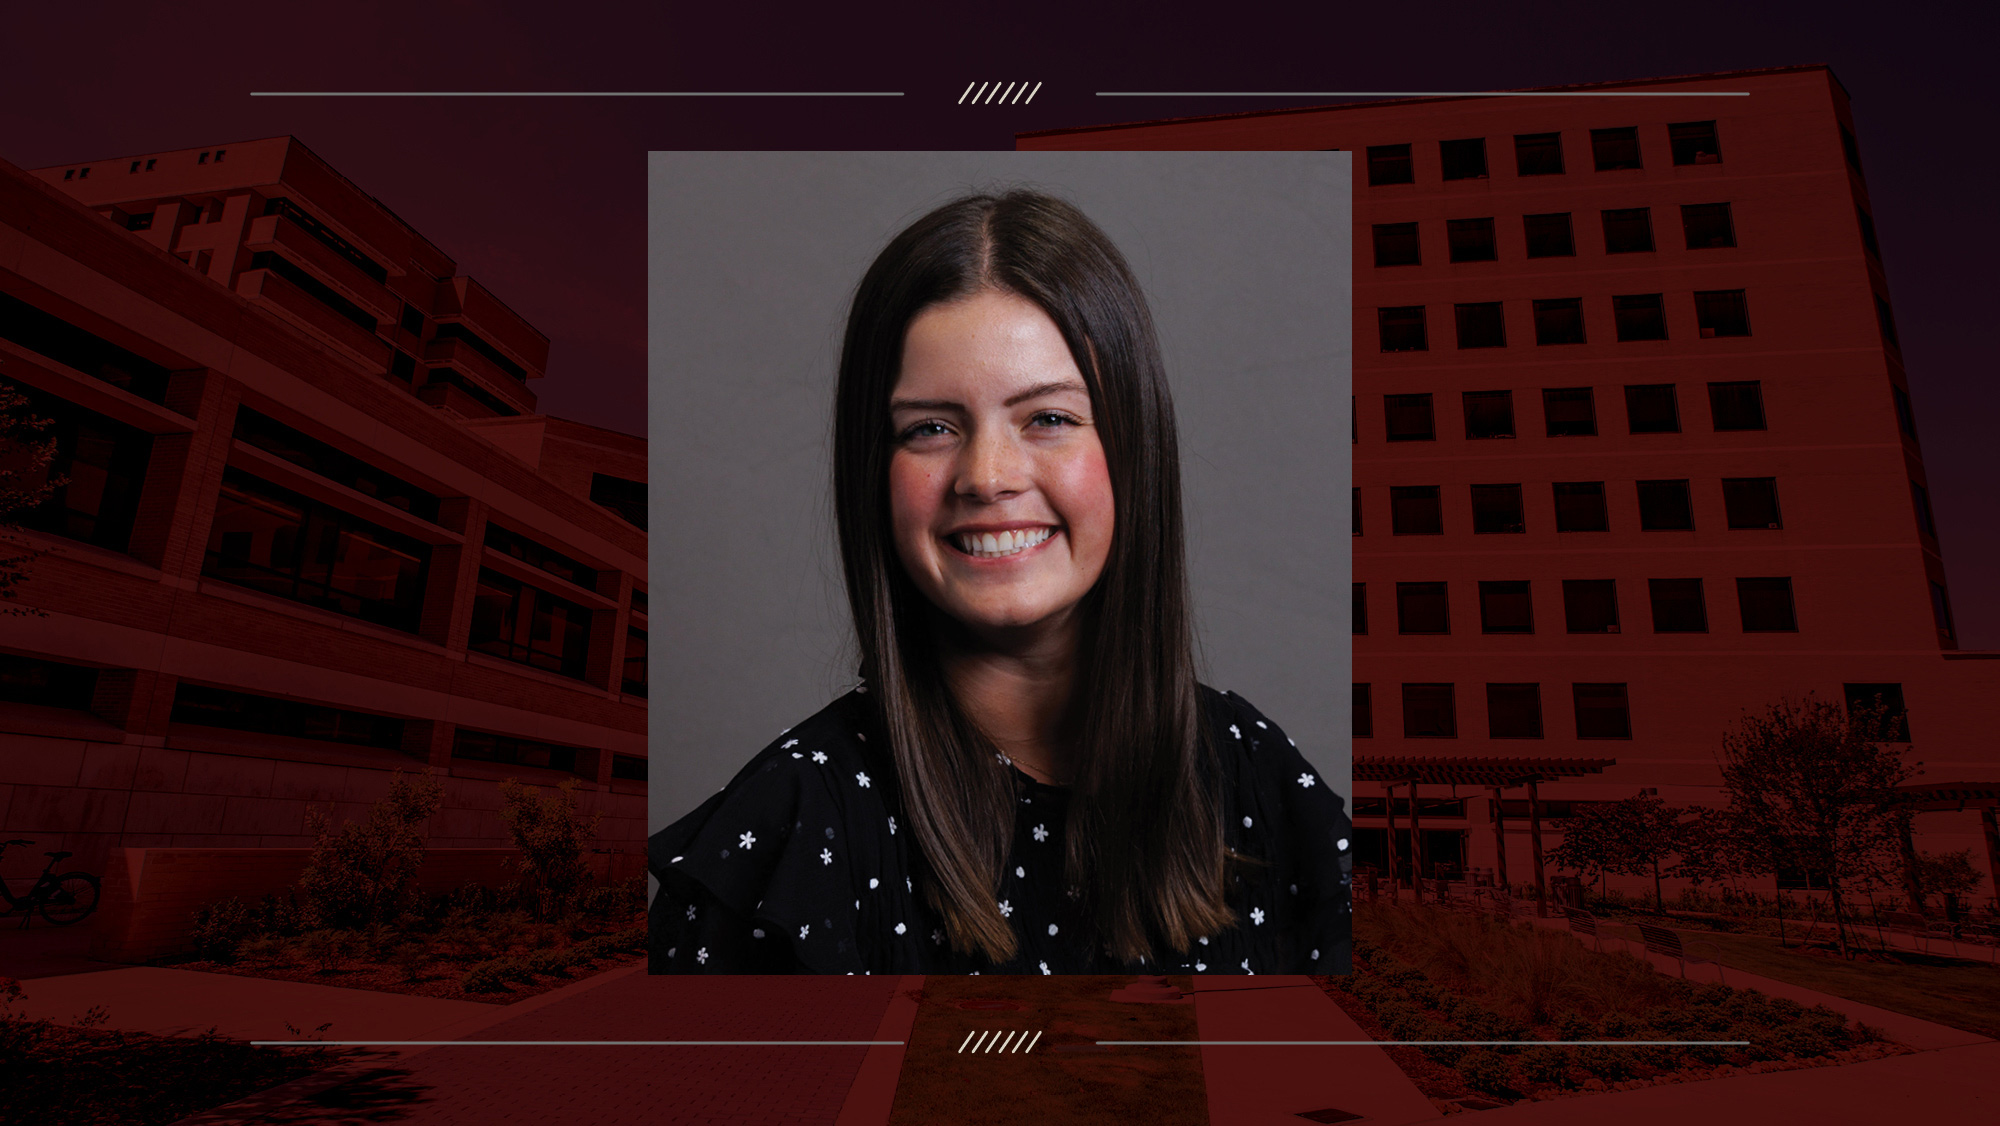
<point x="993" y="468"/>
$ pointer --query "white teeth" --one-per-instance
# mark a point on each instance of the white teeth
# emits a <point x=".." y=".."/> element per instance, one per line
<point x="988" y="545"/>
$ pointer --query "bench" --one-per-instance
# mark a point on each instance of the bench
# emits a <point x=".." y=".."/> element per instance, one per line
<point x="1920" y="929"/>
<point x="1585" y="924"/>
<point x="1668" y="944"/>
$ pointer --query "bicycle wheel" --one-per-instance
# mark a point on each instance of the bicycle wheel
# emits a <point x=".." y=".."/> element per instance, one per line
<point x="73" y="896"/>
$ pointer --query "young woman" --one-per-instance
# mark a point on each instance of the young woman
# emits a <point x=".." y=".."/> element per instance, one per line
<point x="1029" y="779"/>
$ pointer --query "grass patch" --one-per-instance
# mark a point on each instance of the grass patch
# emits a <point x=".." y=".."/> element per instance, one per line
<point x="1950" y="992"/>
<point x="1161" y="1086"/>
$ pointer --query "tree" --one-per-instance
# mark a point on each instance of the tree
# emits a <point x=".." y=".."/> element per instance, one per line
<point x="551" y="834"/>
<point x="1636" y="836"/>
<point x="1812" y="789"/>
<point x="26" y="452"/>
<point x="366" y="872"/>
<point x="1946" y="873"/>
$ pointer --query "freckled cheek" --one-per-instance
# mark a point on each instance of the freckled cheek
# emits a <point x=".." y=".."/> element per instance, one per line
<point x="1083" y="484"/>
<point x="915" y="494"/>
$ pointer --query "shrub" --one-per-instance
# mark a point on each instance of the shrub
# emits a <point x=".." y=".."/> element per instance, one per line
<point x="365" y="872"/>
<point x="551" y="834"/>
<point x="220" y="929"/>
<point x="325" y="949"/>
<point x="1484" y="1069"/>
<point x="411" y="958"/>
<point x="489" y="976"/>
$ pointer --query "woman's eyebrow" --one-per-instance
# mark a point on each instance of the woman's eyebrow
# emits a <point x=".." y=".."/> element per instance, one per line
<point x="924" y="405"/>
<point x="1040" y="390"/>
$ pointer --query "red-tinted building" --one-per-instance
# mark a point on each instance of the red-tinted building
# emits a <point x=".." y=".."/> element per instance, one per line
<point x="311" y="531"/>
<point x="1633" y="446"/>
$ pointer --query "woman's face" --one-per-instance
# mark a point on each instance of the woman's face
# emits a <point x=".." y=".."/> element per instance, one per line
<point x="998" y="488"/>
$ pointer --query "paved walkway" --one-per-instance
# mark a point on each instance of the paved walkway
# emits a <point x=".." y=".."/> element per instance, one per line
<point x="170" y="1002"/>
<point x="1272" y="1086"/>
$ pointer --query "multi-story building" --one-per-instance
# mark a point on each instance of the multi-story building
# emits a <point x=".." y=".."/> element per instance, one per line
<point x="309" y="530"/>
<point x="1634" y="451"/>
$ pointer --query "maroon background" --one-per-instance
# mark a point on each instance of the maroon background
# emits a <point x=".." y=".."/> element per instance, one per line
<point x="543" y="200"/>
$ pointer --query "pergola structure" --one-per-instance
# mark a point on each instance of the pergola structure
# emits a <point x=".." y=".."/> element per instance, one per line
<point x="1496" y="774"/>
<point x="1949" y="797"/>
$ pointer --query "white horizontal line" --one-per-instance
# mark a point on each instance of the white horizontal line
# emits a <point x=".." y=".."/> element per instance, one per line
<point x="578" y="1043"/>
<point x="576" y="93"/>
<point x="1430" y="1043"/>
<point x="1423" y="93"/>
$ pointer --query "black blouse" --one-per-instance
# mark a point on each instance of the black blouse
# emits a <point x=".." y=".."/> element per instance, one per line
<point x="801" y="865"/>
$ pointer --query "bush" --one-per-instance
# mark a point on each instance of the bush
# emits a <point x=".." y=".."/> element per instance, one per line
<point x="551" y="834"/>
<point x="365" y="872"/>
<point x="220" y="929"/>
<point x="1484" y="1069"/>
<point x="325" y="950"/>
<point x="490" y="976"/>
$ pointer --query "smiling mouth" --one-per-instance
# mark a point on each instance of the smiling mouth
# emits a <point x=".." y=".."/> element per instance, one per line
<point x="999" y="545"/>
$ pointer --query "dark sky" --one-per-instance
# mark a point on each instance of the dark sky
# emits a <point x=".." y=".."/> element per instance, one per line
<point x="543" y="199"/>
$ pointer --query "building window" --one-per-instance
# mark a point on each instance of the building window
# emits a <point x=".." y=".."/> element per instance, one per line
<point x="1848" y="145"/>
<point x="275" y="438"/>
<point x="453" y="330"/>
<point x="1590" y="605"/>
<point x="1707" y="226"/>
<point x="639" y="597"/>
<point x="1921" y="498"/>
<point x="1481" y="325"/>
<point x="448" y="377"/>
<point x="403" y="367"/>
<point x="1390" y="164"/>
<point x="1463" y="160"/>
<point x="1550" y="235"/>
<point x="1364" y="713"/>
<point x="1471" y="240"/>
<point x="203" y="706"/>
<point x="1722" y="312"/>
<point x="628" y="768"/>
<point x="1664" y="506"/>
<point x="1489" y="414"/>
<point x="1559" y="321"/>
<point x="1569" y="412"/>
<point x="509" y="750"/>
<point x="1652" y="408"/>
<point x="1429" y="712"/>
<point x="48" y="684"/>
<point x="1867" y="223"/>
<point x="1409" y="418"/>
<point x="625" y="497"/>
<point x="517" y="546"/>
<point x="1580" y="507"/>
<point x="1354" y="506"/>
<point x="1538" y="154"/>
<point x="1614" y="150"/>
<point x="1737" y="405"/>
<point x="1506" y="606"/>
<point x="1886" y="698"/>
<point x="314" y="288"/>
<point x="412" y="320"/>
<point x="1360" y="614"/>
<point x="1677" y="606"/>
<point x="86" y="352"/>
<point x="1514" y="711"/>
<point x="1694" y="142"/>
<point x="528" y="625"/>
<point x="1941" y="610"/>
<point x="1496" y="510"/>
<point x="1751" y="502"/>
<point x="1628" y="230"/>
<point x="1906" y="418"/>
<point x="1640" y="316"/>
<point x="633" y="683"/>
<point x="1602" y="711"/>
<point x="1422" y="608"/>
<point x="1396" y="244"/>
<point x="102" y="464"/>
<point x="1886" y="318"/>
<point x="1766" y="604"/>
<point x="1414" y="511"/>
<point x="275" y="541"/>
<point x="1402" y="329"/>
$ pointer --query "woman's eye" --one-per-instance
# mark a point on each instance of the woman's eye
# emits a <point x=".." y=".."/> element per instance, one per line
<point x="1052" y="419"/>
<point x="927" y="429"/>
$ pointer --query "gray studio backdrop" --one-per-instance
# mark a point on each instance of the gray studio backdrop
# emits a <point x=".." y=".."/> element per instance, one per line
<point x="754" y="258"/>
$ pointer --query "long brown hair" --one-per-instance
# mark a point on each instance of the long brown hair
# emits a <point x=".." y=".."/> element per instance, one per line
<point x="1145" y="845"/>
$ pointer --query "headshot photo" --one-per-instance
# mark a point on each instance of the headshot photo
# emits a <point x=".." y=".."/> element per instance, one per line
<point x="1005" y="617"/>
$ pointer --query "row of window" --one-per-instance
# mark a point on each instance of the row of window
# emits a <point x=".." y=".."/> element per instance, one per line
<point x="1541" y="154"/>
<point x="1664" y="506"/>
<point x="1627" y="230"/>
<point x="1560" y="320"/>
<point x="1600" y="711"/>
<point x="1764" y="605"/>
<point x="1571" y="412"/>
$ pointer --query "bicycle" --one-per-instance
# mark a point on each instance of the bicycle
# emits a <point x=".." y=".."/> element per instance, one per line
<point x="63" y="898"/>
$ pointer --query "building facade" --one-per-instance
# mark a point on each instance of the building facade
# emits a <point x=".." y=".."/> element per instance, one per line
<point x="1633" y="448"/>
<point x="309" y="530"/>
